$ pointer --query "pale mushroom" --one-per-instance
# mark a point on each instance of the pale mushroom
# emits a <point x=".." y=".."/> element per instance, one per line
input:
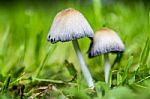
<point x="70" y="25"/>
<point x="105" y="41"/>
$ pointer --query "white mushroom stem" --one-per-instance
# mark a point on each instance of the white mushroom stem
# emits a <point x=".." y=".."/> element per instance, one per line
<point x="106" y="67"/>
<point x="84" y="68"/>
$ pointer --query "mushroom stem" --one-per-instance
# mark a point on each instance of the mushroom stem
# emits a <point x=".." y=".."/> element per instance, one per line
<point x="106" y="67"/>
<point x="84" y="68"/>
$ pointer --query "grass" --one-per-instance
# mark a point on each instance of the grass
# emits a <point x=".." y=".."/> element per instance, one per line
<point x="32" y="67"/>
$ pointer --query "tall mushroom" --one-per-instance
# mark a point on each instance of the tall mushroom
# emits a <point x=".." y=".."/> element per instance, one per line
<point x="105" y="41"/>
<point x="70" y="25"/>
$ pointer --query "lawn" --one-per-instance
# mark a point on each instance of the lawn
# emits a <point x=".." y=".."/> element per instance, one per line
<point x="31" y="67"/>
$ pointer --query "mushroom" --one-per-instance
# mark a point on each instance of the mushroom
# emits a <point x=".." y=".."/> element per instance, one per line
<point x="70" y="25"/>
<point x="105" y="41"/>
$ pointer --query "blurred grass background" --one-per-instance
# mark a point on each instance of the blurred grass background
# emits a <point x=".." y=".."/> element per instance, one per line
<point x="24" y="49"/>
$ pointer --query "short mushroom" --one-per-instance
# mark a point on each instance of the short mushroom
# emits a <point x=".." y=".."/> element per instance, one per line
<point x="105" y="41"/>
<point x="70" y="25"/>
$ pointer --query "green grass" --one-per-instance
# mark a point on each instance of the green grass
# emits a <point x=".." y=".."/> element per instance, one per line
<point x="32" y="67"/>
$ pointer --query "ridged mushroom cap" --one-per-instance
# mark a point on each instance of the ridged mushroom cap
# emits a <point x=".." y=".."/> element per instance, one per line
<point x="69" y="24"/>
<point x="105" y="41"/>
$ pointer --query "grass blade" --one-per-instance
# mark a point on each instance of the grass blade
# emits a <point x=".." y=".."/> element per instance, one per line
<point x="71" y="68"/>
<point x="50" y="50"/>
<point x="49" y="80"/>
<point x="6" y="84"/>
<point x="38" y="46"/>
<point x="126" y="70"/>
<point x="145" y="53"/>
<point x="97" y="11"/>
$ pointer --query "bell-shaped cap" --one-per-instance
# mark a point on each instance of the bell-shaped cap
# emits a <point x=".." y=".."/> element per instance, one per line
<point x="105" y="41"/>
<point x="69" y="24"/>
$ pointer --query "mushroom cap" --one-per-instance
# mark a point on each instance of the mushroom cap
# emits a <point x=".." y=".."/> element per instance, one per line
<point x="105" y="41"/>
<point x="69" y="24"/>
